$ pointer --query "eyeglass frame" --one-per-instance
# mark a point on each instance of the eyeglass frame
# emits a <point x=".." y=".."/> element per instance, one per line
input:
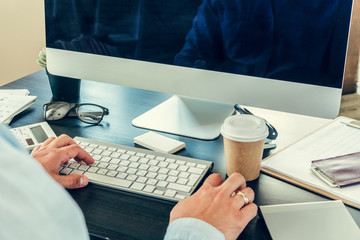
<point x="76" y="106"/>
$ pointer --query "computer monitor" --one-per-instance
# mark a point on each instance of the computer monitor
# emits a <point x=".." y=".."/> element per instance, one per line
<point x="211" y="54"/>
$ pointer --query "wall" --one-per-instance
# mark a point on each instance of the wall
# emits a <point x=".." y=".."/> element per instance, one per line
<point x="352" y="59"/>
<point x="22" y="36"/>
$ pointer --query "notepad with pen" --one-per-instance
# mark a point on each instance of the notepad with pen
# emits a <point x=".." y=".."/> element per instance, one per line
<point x="337" y="138"/>
<point x="338" y="171"/>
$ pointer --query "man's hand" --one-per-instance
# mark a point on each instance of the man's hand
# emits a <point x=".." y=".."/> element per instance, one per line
<point x="56" y="151"/>
<point x="216" y="204"/>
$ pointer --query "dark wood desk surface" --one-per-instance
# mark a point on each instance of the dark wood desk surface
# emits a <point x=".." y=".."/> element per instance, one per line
<point x="120" y="215"/>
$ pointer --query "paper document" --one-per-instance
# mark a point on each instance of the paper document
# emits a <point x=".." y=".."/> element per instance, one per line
<point x="12" y="102"/>
<point x="332" y="140"/>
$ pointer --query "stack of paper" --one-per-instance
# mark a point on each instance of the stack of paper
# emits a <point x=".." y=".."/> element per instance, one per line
<point x="12" y="102"/>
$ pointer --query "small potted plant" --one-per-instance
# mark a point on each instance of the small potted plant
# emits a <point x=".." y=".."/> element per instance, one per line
<point x="62" y="88"/>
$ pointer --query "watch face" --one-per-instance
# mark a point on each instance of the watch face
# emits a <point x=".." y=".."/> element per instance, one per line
<point x="57" y="111"/>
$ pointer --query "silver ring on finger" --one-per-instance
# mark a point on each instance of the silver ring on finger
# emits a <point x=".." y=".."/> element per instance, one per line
<point x="244" y="196"/>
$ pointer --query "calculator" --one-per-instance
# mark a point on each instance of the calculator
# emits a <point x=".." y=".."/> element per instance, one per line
<point x="33" y="135"/>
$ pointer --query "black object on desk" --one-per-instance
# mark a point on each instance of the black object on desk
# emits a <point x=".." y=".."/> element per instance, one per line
<point x="120" y="215"/>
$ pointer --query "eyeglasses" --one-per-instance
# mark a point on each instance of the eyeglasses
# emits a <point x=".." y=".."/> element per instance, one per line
<point x="272" y="131"/>
<point x="86" y="112"/>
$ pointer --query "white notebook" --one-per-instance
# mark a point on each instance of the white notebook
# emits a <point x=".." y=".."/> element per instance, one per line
<point x="325" y="220"/>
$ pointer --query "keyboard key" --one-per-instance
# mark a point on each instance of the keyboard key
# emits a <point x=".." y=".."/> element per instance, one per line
<point x="102" y="171"/>
<point x="108" y="180"/>
<point x="141" y="173"/>
<point x="131" y="171"/>
<point x="124" y="156"/>
<point x="140" y="154"/>
<point x="158" y="192"/>
<point x="171" y="179"/>
<point x="134" y="158"/>
<point x="102" y="165"/>
<point x="83" y="167"/>
<point x="96" y="157"/>
<point x="179" y="196"/>
<point x="151" y="175"/>
<point x="170" y="193"/>
<point x="93" y="169"/>
<point x="141" y="179"/>
<point x="144" y="166"/>
<point x="97" y="151"/>
<point x="173" y="166"/>
<point x="76" y="171"/>
<point x="184" y="174"/>
<point x="112" y="149"/>
<point x="173" y="172"/>
<point x="115" y="155"/>
<point x="160" y="158"/>
<point x="115" y="161"/>
<point x="153" y="169"/>
<point x="124" y="163"/>
<point x="106" y="153"/>
<point x="112" y="173"/>
<point x="161" y="177"/>
<point x="152" y="181"/>
<point x="66" y="171"/>
<point x="183" y="168"/>
<point x="122" y="169"/>
<point x="121" y="150"/>
<point x="153" y="162"/>
<point x="149" y="188"/>
<point x="180" y="162"/>
<point x="131" y="177"/>
<point x="162" y="184"/>
<point x="182" y="181"/>
<point x="163" y="170"/>
<point x="105" y="159"/>
<point x="89" y="149"/>
<point x="74" y="165"/>
<point x="190" y="164"/>
<point x="195" y="170"/>
<point x="143" y="160"/>
<point x="134" y="165"/>
<point x="131" y="152"/>
<point x="179" y="187"/>
<point x="112" y="167"/>
<point x="202" y="166"/>
<point x="137" y="186"/>
<point x="122" y="175"/>
<point x="163" y="164"/>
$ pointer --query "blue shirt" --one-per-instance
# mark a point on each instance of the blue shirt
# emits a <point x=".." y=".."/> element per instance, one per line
<point x="278" y="39"/>
<point x="34" y="206"/>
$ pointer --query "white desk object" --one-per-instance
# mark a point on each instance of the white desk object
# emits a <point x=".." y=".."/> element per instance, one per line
<point x="328" y="220"/>
<point x="294" y="162"/>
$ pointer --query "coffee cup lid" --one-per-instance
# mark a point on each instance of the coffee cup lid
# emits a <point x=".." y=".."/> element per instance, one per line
<point x="244" y="128"/>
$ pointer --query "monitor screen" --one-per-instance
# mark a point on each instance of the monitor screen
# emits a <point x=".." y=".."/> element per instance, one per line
<point x="282" y="55"/>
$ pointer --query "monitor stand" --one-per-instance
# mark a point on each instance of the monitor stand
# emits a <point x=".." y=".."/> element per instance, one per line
<point x="186" y="116"/>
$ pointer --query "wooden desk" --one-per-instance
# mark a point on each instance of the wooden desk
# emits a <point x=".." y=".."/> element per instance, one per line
<point x="120" y="215"/>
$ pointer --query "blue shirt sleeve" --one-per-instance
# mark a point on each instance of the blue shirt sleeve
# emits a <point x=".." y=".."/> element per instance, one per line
<point x="192" y="229"/>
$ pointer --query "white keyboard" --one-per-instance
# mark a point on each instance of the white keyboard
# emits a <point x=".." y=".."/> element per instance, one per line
<point x="141" y="171"/>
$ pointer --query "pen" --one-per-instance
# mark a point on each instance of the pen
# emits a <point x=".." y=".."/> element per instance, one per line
<point x="272" y="131"/>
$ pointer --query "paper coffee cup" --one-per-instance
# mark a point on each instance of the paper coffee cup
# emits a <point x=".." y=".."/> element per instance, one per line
<point x="244" y="137"/>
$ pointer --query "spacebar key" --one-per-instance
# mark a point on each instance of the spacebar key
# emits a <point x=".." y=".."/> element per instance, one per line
<point x="108" y="180"/>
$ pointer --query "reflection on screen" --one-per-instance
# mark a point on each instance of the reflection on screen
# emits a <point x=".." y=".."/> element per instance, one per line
<point x="300" y="41"/>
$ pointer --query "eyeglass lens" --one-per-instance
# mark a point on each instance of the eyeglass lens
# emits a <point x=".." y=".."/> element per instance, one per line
<point x="90" y="113"/>
<point x="57" y="111"/>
